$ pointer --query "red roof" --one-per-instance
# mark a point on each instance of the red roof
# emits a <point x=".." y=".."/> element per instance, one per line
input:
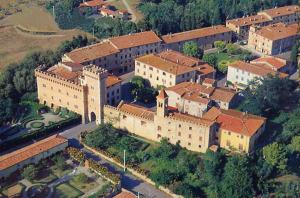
<point x="236" y="121"/>
<point x="125" y="194"/>
<point x="273" y="62"/>
<point x="162" y="94"/>
<point x="30" y="151"/>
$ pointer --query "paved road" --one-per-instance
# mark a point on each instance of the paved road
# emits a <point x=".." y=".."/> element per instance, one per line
<point x="129" y="181"/>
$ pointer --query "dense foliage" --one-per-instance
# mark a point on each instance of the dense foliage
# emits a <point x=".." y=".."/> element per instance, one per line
<point x="167" y="16"/>
<point x="268" y="94"/>
<point x="142" y="91"/>
<point x="17" y="79"/>
<point x="68" y="16"/>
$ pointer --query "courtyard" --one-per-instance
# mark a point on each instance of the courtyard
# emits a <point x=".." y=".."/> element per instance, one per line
<point x="56" y="177"/>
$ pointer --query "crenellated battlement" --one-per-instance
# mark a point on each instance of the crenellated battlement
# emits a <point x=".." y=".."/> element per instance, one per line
<point x="52" y="77"/>
<point x="95" y="70"/>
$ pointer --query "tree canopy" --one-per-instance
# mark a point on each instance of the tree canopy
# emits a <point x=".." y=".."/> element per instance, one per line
<point x="192" y="49"/>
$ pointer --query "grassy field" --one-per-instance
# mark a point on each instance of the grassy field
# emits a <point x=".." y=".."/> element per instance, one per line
<point x="134" y="5"/>
<point x="18" y="44"/>
<point x="66" y="191"/>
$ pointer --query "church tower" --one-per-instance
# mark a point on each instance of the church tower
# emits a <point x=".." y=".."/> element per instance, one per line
<point x="162" y="104"/>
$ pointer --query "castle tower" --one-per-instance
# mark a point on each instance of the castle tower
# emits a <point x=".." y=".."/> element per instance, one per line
<point x="94" y="78"/>
<point x="162" y="104"/>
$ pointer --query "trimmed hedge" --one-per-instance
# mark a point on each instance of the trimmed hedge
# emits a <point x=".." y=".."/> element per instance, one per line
<point x="40" y="133"/>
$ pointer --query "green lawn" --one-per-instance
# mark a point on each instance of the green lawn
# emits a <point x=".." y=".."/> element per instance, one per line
<point x="60" y="173"/>
<point x="85" y="187"/>
<point x="65" y="190"/>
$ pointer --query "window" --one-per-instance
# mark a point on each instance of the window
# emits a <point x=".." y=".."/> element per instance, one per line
<point x="76" y="107"/>
<point x="179" y="134"/>
<point x="159" y="128"/>
<point x="124" y="116"/>
<point x="164" y="73"/>
<point x="143" y="122"/>
<point x="75" y="96"/>
<point x="179" y="125"/>
<point x="242" y="137"/>
<point x="229" y="133"/>
<point x="44" y="85"/>
<point x="190" y="128"/>
<point x="190" y="136"/>
<point x="200" y="138"/>
<point x="158" y="136"/>
<point x="199" y="146"/>
<point x="151" y="68"/>
<point x="189" y="144"/>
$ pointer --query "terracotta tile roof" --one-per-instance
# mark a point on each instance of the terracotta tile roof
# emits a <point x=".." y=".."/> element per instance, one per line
<point x="196" y="98"/>
<point x="73" y="65"/>
<point x="136" y="110"/>
<point x="194" y="34"/>
<point x="271" y="61"/>
<point x="223" y="94"/>
<point x="205" y="69"/>
<point x="209" y="81"/>
<point x="30" y="151"/>
<point x="108" y="11"/>
<point x="165" y="65"/>
<point x="125" y="194"/>
<point x="64" y="73"/>
<point x="236" y="121"/>
<point x="191" y="88"/>
<point x="134" y="40"/>
<point x="112" y="80"/>
<point x="281" y="11"/>
<point x="278" y="31"/>
<point x="191" y="119"/>
<point x="248" y="21"/>
<point x="179" y="58"/>
<point x="256" y="69"/>
<point x="162" y="94"/>
<point x="92" y="52"/>
<point x="92" y="3"/>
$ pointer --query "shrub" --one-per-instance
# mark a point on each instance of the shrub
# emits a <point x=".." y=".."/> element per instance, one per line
<point x="81" y="178"/>
<point x="30" y="172"/>
<point x="76" y="154"/>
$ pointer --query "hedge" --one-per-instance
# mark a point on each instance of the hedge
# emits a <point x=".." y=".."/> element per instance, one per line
<point x="79" y="156"/>
<point x="40" y="133"/>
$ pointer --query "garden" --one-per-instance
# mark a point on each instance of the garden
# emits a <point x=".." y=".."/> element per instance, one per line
<point x="36" y="120"/>
<point x="226" y="54"/>
<point x="58" y="176"/>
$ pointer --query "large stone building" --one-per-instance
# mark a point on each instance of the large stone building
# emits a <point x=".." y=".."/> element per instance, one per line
<point x="286" y="14"/>
<point x="273" y="39"/>
<point x="192" y="132"/>
<point x="169" y="68"/>
<point x="196" y="99"/>
<point x="32" y="154"/>
<point x="240" y="73"/>
<point x="241" y="26"/>
<point x="237" y="131"/>
<point x="79" y="89"/>
<point x="204" y="37"/>
<point x="116" y="54"/>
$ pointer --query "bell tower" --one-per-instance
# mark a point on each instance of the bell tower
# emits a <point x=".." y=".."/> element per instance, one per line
<point x="162" y="104"/>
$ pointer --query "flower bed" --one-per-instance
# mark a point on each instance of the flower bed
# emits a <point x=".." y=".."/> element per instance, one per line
<point x="76" y="154"/>
<point x="36" y="124"/>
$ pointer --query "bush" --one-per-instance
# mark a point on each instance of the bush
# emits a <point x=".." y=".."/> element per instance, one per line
<point x="76" y="154"/>
<point x="36" y="124"/>
<point x="81" y="178"/>
<point x="30" y="172"/>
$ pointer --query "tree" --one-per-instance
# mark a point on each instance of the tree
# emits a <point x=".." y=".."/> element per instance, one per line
<point x="237" y="179"/>
<point x="294" y="53"/>
<point x="220" y="45"/>
<point x="211" y="59"/>
<point x="59" y="161"/>
<point x="275" y="154"/>
<point x="267" y="94"/>
<point x="30" y="172"/>
<point x="232" y="49"/>
<point x="295" y="144"/>
<point x="223" y="66"/>
<point x="81" y="178"/>
<point x="191" y="49"/>
<point x="103" y="137"/>
<point x="141" y="90"/>
<point x="213" y="170"/>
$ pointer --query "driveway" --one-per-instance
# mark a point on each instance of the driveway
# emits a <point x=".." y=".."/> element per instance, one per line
<point x="129" y="181"/>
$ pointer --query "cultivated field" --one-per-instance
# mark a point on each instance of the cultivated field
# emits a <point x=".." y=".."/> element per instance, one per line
<point x="15" y="44"/>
